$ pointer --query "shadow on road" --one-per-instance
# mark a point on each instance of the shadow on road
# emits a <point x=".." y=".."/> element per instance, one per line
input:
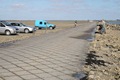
<point x="90" y="30"/>
<point x="85" y="36"/>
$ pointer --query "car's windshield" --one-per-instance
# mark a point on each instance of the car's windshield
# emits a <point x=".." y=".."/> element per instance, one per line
<point x="22" y="24"/>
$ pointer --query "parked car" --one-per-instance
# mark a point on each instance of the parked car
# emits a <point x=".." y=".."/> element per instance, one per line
<point x="23" y="28"/>
<point x="3" y="21"/>
<point x="43" y="24"/>
<point x="6" y="28"/>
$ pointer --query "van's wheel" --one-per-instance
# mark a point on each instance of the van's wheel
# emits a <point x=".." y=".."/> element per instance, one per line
<point x="51" y="28"/>
<point x="40" y="28"/>
<point x="7" y="32"/>
<point x="26" y="31"/>
<point x="36" y="28"/>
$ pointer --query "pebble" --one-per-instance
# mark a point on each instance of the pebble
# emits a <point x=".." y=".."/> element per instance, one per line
<point x="91" y="73"/>
<point x="91" y="77"/>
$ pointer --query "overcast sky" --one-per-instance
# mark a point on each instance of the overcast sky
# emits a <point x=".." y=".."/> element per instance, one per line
<point x="59" y="9"/>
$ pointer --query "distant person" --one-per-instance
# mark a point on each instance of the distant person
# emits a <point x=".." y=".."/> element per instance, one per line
<point x="75" y="23"/>
<point x="101" y="27"/>
<point x="104" y="26"/>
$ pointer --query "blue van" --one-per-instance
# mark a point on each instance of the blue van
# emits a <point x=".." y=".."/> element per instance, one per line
<point x="39" y="24"/>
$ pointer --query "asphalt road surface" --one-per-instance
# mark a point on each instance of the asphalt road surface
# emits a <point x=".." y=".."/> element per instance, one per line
<point x="53" y="56"/>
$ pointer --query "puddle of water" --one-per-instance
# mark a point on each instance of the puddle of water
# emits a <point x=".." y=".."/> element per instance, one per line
<point x="7" y="44"/>
<point x="2" y="45"/>
<point x="80" y="76"/>
<point x="90" y="39"/>
<point x="92" y="36"/>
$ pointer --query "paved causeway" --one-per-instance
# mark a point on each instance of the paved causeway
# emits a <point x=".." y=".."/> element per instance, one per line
<point x="54" y="56"/>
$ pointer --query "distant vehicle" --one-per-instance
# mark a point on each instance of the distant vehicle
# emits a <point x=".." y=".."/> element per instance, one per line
<point x="39" y="24"/>
<point x="6" y="28"/>
<point x="23" y="28"/>
<point x="2" y="21"/>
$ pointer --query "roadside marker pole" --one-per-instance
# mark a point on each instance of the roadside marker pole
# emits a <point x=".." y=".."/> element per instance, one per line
<point x="46" y="29"/>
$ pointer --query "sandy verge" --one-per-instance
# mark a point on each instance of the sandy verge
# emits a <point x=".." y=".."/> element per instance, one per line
<point x="103" y="58"/>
